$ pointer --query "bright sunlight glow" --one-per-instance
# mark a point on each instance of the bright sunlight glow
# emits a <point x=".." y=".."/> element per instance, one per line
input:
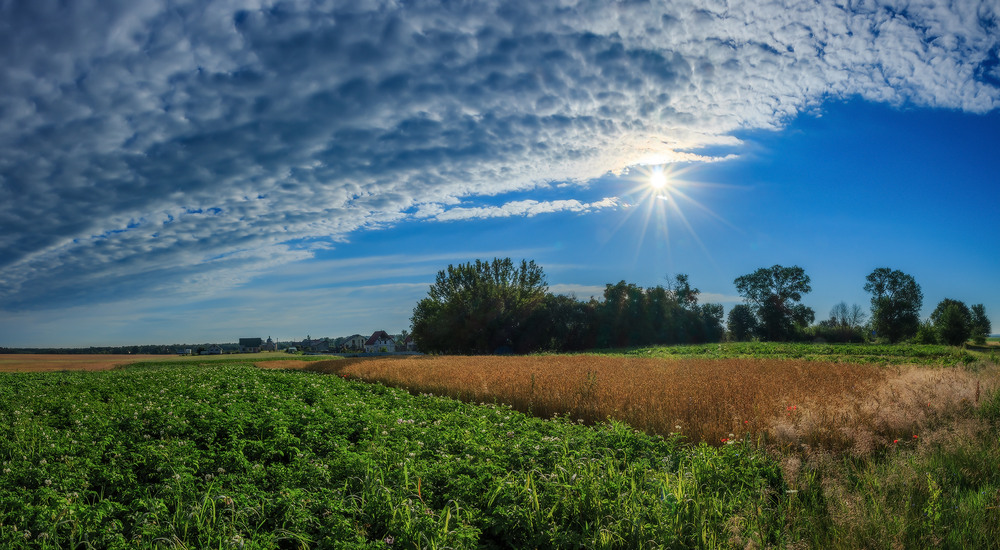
<point x="658" y="179"/>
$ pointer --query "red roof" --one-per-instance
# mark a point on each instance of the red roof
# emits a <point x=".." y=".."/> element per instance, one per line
<point x="378" y="335"/>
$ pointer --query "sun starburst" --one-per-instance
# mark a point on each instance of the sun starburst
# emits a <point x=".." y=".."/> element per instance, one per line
<point x="661" y="195"/>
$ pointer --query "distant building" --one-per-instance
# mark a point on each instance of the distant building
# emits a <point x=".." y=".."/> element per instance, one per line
<point x="270" y="345"/>
<point x="318" y="345"/>
<point x="409" y="344"/>
<point x="250" y="345"/>
<point x="213" y="350"/>
<point x="380" y="341"/>
<point x="355" y="343"/>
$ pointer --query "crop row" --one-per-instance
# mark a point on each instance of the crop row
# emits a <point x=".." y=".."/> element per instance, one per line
<point x="831" y="406"/>
<point x="230" y="456"/>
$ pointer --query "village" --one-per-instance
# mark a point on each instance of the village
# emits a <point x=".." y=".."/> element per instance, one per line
<point x="380" y="342"/>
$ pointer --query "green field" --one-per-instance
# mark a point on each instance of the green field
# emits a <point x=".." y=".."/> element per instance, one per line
<point x="225" y="455"/>
<point x="895" y="354"/>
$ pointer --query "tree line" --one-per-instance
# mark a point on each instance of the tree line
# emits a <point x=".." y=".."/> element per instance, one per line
<point x="502" y="307"/>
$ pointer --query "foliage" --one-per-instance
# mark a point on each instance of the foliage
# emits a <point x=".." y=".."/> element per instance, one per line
<point x="881" y="354"/>
<point x="953" y="321"/>
<point x="742" y="323"/>
<point x="981" y="327"/>
<point x="466" y="312"/>
<point x="478" y="307"/>
<point x="926" y="334"/>
<point x="896" y="302"/>
<point x="562" y="323"/>
<point x="229" y="456"/>
<point x="633" y="316"/>
<point x="846" y="324"/>
<point x="774" y="294"/>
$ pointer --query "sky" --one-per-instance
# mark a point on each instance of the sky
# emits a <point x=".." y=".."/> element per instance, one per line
<point x="201" y="171"/>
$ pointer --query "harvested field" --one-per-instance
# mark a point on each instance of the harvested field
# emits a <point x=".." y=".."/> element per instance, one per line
<point x="847" y="407"/>
<point x="41" y="362"/>
<point x="49" y="363"/>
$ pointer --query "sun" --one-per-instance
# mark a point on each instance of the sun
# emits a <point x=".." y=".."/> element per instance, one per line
<point x="658" y="180"/>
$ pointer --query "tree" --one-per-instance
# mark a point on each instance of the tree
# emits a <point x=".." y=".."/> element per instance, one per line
<point x="631" y="315"/>
<point x="981" y="327"/>
<point x="896" y="302"/>
<point x="742" y="323"/>
<point x="844" y="325"/>
<point x="561" y="323"/>
<point x="953" y="321"/>
<point x="773" y="293"/>
<point x="926" y="334"/>
<point x="478" y="307"/>
<point x="711" y="315"/>
<point x="847" y="317"/>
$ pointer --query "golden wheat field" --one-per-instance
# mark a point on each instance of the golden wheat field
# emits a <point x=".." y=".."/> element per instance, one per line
<point x="835" y="406"/>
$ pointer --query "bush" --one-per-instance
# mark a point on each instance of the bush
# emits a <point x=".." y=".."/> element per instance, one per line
<point x="926" y="334"/>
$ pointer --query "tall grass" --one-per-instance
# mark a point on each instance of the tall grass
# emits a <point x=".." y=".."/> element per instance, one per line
<point x="834" y="406"/>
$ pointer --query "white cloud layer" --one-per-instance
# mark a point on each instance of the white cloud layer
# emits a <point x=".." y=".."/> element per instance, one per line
<point x="166" y="146"/>
<point x="525" y="208"/>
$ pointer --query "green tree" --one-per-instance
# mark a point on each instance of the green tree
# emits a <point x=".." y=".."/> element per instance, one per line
<point x="926" y="334"/>
<point x="981" y="327"/>
<point x="711" y="317"/>
<point x="741" y="323"/>
<point x="896" y="302"/>
<point x="774" y="294"/>
<point x="478" y="307"/>
<point x="953" y="321"/>
<point x="846" y="324"/>
<point x="562" y="323"/>
<point x="634" y="316"/>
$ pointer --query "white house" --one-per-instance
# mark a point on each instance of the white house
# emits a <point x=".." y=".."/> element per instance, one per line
<point x="380" y="341"/>
<point x="355" y="342"/>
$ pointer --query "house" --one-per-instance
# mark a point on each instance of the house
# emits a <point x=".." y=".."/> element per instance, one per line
<point x="380" y="342"/>
<point x="319" y="345"/>
<point x="213" y="350"/>
<point x="270" y="345"/>
<point x="409" y="344"/>
<point x="355" y="342"/>
<point x="250" y="345"/>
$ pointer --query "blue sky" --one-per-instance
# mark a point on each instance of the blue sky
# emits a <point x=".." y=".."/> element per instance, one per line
<point x="208" y="170"/>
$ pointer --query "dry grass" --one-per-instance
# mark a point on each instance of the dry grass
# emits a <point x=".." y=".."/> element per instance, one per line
<point x="43" y="362"/>
<point x="789" y="403"/>
<point x="49" y="363"/>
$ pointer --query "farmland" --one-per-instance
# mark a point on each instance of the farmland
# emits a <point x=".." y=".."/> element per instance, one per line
<point x="732" y="452"/>
<point x="227" y="455"/>
<point x="74" y="362"/>
<point x="833" y="406"/>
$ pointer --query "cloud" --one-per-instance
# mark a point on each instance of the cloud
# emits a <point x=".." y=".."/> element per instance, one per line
<point x="525" y="208"/>
<point x="163" y="146"/>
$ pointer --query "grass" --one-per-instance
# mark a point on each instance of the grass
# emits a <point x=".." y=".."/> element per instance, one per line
<point x="877" y="354"/>
<point x="832" y="406"/>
